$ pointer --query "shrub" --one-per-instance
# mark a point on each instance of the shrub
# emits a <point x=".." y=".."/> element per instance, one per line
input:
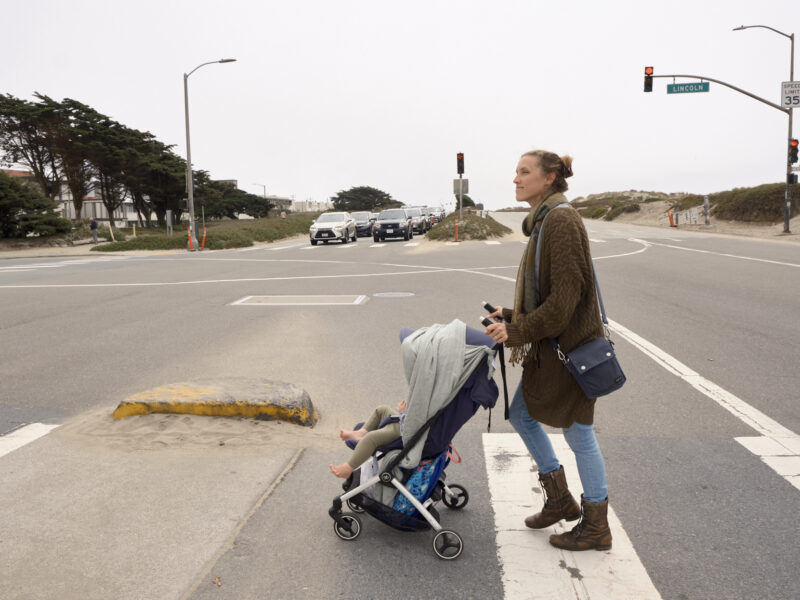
<point x="619" y="209"/>
<point x="471" y="227"/>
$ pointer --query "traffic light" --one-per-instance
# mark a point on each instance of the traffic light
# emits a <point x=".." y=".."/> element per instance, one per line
<point x="460" y="163"/>
<point x="792" y="151"/>
<point x="648" y="79"/>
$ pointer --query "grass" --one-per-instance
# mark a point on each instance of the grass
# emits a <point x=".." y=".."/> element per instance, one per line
<point x="471" y="227"/>
<point x="219" y="234"/>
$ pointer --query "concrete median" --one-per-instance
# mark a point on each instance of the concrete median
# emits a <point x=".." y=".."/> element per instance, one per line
<point x="225" y="397"/>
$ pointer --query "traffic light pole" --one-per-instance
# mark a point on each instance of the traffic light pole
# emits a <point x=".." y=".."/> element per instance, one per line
<point x="460" y="198"/>
<point x="788" y="208"/>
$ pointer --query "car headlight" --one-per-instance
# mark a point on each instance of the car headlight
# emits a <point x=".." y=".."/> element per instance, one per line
<point x="338" y="228"/>
<point x="312" y="229"/>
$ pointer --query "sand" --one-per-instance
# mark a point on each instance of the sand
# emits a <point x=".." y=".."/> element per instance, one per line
<point x="193" y="434"/>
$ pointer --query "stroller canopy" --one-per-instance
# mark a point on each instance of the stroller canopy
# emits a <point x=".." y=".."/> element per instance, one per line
<point x="440" y="367"/>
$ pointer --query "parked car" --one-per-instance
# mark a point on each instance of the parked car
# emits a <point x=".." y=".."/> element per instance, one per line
<point x="364" y="223"/>
<point x="432" y="220"/>
<point x="333" y="226"/>
<point x="393" y="222"/>
<point x="419" y="221"/>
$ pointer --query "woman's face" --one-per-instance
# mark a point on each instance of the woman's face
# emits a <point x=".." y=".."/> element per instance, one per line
<point x="531" y="181"/>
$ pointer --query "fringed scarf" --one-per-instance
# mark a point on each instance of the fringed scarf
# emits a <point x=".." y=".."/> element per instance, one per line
<point x="525" y="292"/>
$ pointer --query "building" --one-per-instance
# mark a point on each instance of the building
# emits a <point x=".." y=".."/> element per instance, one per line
<point x="310" y="206"/>
<point x="93" y="207"/>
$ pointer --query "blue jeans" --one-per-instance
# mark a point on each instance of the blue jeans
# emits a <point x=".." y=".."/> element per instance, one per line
<point x="581" y="439"/>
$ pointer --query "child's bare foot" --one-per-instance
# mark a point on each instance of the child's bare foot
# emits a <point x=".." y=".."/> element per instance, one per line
<point x="344" y="470"/>
<point x="354" y="435"/>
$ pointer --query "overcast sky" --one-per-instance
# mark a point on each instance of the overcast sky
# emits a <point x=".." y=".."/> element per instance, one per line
<point x="330" y="94"/>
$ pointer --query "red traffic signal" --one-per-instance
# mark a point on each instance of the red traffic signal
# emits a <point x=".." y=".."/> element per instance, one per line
<point x="460" y="163"/>
<point x="793" y="151"/>
<point x="648" y="79"/>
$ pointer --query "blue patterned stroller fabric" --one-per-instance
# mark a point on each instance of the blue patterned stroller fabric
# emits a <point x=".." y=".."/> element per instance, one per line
<point x="421" y="484"/>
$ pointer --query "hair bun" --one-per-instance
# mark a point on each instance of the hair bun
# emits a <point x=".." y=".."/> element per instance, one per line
<point x="566" y="168"/>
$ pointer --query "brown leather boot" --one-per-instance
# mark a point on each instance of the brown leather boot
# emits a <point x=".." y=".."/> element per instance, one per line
<point x="591" y="532"/>
<point x="558" y="502"/>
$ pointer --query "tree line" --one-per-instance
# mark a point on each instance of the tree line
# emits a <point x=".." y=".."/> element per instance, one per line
<point x="70" y="143"/>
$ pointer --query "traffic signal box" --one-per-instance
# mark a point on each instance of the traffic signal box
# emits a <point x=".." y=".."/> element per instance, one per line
<point x="460" y="163"/>
<point x="648" y="79"/>
<point x="793" y="151"/>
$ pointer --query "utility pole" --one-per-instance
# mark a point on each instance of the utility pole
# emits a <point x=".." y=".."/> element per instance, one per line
<point x="787" y="212"/>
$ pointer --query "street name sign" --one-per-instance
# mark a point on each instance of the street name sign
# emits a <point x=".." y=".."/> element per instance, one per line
<point x="687" y="88"/>
<point x="790" y="94"/>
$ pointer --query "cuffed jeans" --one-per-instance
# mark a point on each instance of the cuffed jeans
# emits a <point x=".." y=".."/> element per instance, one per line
<point x="581" y="439"/>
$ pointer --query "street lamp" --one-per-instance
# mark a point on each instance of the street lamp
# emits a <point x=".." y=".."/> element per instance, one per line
<point x="788" y="208"/>
<point x="189" y="182"/>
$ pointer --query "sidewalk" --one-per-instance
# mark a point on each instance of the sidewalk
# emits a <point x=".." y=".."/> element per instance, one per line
<point x="136" y="508"/>
<point x="79" y="248"/>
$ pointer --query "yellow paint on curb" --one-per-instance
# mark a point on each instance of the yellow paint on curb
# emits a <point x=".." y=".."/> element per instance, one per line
<point x="227" y="398"/>
<point x="300" y="416"/>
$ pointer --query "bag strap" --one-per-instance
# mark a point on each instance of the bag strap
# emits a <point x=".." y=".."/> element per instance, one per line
<point x="538" y="231"/>
<point x="501" y="354"/>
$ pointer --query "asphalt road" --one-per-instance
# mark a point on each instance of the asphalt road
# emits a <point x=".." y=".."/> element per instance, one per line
<point x="707" y="517"/>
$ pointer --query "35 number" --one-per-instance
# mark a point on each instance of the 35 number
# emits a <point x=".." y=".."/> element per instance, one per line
<point x="791" y="100"/>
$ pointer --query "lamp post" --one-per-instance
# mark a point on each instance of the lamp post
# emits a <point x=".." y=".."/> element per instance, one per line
<point x="787" y="211"/>
<point x="189" y="182"/>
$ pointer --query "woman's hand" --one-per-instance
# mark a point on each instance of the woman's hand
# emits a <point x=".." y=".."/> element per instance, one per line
<point x="401" y="406"/>
<point x="497" y="331"/>
<point x="497" y="315"/>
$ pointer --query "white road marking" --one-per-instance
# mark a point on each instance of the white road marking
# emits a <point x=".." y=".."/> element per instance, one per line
<point x="345" y="246"/>
<point x="597" y="241"/>
<point x="764" y="260"/>
<point x="24" y="435"/>
<point x="411" y="244"/>
<point x="531" y="567"/>
<point x="491" y="243"/>
<point x="308" y="248"/>
<point x="452" y="243"/>
<point x="15" y="270"/>
<point x="285" y="247"/>
<point x="778" y="447"/>
<point x="377" y="245"/>
<point x="782" y="454"/>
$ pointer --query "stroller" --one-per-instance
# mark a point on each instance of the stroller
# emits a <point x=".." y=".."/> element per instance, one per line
<point x="395" y="488"/>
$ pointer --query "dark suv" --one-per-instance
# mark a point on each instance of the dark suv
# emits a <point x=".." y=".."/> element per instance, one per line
<point x="392" y="222"/>
<point x="364" y="223"/>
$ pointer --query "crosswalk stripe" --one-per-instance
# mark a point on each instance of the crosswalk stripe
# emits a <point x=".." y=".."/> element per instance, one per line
<point x="532" y="568"/>
<point x="491" y="243"/>
<point x="597" y="241"/>
<point x="24" y="435"/>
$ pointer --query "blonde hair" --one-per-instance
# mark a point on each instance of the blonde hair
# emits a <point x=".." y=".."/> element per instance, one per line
<point x="550" y="162"/>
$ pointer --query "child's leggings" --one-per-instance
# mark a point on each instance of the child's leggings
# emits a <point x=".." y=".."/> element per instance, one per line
<point x="376" y="437"/>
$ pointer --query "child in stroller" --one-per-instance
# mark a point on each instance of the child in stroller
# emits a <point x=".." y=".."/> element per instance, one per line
<point x="381" y="428"/>
<point x="449" y="371"/>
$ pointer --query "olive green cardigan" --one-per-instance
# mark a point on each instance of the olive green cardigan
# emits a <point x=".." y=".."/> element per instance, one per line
<point x="568" y="311"/>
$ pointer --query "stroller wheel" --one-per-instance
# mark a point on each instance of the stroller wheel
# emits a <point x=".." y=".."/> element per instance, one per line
<point x="354" y="507"/>
<point x="351" y="528"/>
<point x="447" y="544"/>
<point x="457" y="497"/>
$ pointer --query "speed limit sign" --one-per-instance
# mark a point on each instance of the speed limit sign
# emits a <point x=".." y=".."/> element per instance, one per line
<point x="790" y="94"/>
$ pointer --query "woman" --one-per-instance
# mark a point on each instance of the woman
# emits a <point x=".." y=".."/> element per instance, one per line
<point x="547" y="393"/>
